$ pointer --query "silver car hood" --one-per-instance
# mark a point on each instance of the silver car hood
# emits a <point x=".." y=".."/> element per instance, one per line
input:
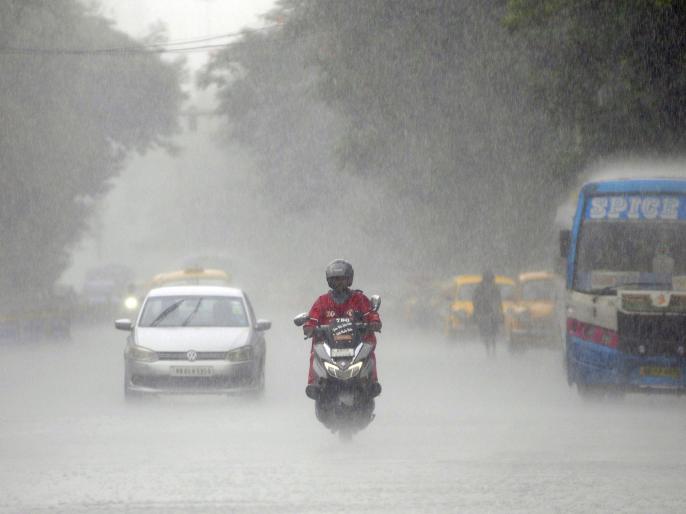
<point x="201" y="339"/>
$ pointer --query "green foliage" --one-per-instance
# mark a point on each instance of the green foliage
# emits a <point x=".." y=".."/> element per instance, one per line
<point x="68" y="123"/>
<point x="613" y="73"/>
<point x="471" y="116"/>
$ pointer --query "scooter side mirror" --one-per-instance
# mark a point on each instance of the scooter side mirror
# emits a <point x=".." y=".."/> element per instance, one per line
<point x="376" y="302"/>
<point x="300" y="319"/>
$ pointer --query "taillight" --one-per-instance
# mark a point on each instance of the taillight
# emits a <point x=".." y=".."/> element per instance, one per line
<point x="592" y="333"/>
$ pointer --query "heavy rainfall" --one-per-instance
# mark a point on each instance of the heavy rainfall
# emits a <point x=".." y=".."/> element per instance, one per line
<point x="154" y="147"/>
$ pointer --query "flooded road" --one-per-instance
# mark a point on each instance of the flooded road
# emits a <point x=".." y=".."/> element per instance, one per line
<point x="454" y="431"/>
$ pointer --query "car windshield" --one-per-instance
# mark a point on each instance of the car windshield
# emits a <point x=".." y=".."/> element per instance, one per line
<point x="194" y="311"/>
<point x="642" y="252"/>
<point x="538" y="290"/>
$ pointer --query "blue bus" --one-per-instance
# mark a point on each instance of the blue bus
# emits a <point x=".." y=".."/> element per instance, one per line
<point x="625" y="304"/>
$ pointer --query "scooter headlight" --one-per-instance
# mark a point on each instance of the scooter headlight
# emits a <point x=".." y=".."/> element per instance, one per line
<point x="355" y="369"/>
<point x="343" y="374"/>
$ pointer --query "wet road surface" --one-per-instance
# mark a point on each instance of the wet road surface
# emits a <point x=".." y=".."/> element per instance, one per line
<point x="455" y="431"/>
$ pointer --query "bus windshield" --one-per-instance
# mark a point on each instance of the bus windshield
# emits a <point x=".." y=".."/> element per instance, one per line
<point x="612" y="252"/>
<point x="538" y="290"/>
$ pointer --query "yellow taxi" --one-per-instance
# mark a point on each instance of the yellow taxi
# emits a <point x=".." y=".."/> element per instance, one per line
<point x="532" y="318"/>
<point x="188" y="276"/>
<point x="191" y="276"/>
<point x="422" y="303"/>
<point x="459" y="292"/>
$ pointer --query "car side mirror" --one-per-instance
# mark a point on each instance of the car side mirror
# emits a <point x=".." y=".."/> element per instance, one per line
<point x="262" y="324"/>
<point x="376" y="302"/>
<point x="565" y="239"/>
<point x="123" y="324"/>
<point x="301" y="319"/>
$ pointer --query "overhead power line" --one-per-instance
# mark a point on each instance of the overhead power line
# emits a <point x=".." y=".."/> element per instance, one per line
<point x="203" y="39"/>
<point x="170" y="47"/>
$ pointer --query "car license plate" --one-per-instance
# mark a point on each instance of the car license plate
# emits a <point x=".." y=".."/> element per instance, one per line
<point x="191" y="371"/>
<point x="342" y="352"/>
<point x="656" y="371"/>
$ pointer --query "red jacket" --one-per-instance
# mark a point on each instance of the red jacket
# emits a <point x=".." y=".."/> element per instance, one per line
<point x="325" y="309"/>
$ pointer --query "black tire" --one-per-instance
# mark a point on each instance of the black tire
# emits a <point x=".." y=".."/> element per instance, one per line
<point x="129" y="395"/>
<point x="514" y="344"/>
<point x="132" y="396"/>
<point x="259" y="382"/>
<point x="590" y="393"/>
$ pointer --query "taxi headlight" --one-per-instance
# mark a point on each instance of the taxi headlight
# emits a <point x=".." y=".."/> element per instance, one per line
<point x="242" y="354"/>
<point x="131" y="303"/>
<point x="523" y="316"/>
<point x="139" y="353"/>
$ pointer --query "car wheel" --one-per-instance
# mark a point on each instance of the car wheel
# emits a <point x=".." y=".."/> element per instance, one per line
<point x="260" y="378"/>
<point x="129" y="395"/>
<point x="259" y="382"/>
<point x="132" y="396"/>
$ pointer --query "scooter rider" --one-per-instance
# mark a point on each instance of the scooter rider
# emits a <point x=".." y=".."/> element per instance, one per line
<point x="341" y="301"/>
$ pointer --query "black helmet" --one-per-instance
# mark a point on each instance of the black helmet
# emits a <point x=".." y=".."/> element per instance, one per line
<point x="339" y="268"/>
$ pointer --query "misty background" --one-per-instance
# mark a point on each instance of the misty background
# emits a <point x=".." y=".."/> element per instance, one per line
<point x="416" y="139"/>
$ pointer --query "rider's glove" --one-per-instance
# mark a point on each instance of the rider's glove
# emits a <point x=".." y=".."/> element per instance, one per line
<point x="374" y="326"/>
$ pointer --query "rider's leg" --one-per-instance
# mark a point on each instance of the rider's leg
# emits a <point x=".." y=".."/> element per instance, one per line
<point x="311" y="375"/>
<point x="375" y="376"/>
<point x="312" y="390"/>
<point x="376" y="387"/>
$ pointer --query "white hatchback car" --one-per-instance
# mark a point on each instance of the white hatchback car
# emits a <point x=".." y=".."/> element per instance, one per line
<point x="194" y="339"/>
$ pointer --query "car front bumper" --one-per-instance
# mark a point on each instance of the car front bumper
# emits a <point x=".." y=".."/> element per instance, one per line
<point x="210" y="376"/>
<point x="538" y="334"/>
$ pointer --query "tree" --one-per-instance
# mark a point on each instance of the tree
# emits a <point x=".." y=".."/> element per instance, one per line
<point x="612" y="75"/>
<point x="69" y="121"/>
<point x="429" y="111"/>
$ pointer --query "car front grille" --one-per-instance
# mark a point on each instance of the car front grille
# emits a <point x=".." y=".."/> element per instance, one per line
<point x="657" y="334"/>
<point x="183" y="356"/>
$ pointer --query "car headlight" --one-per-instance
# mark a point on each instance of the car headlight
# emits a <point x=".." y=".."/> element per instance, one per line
<point x="131" y="303"/>
<point x="242" y="354"/>
<point x="523" y="316"/>
<point x="139" y="353"/>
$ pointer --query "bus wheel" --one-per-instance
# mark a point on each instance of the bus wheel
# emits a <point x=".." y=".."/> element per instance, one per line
<point x="591" y="393"/>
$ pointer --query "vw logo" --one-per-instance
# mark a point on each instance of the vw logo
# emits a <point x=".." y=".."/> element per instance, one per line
<point x="192" y="355"/>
